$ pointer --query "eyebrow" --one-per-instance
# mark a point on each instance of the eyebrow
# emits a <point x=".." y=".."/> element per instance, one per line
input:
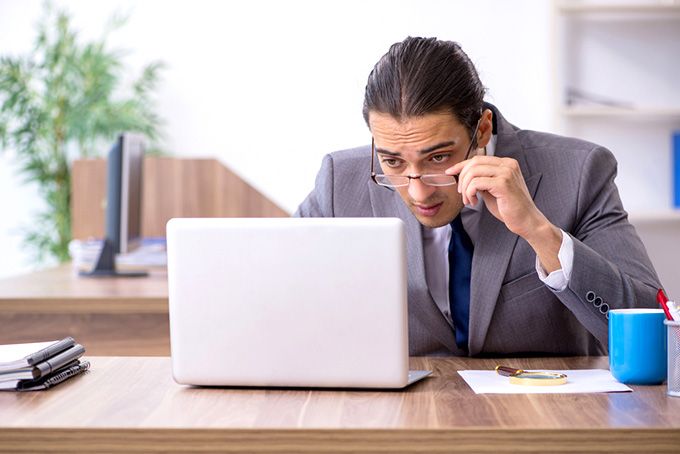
<point x="423" y="151"/>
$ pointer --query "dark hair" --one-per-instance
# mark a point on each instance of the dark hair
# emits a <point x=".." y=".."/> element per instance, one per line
<point x="419" y="76"/>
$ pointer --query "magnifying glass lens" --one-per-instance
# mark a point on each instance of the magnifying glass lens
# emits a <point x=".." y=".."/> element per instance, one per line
<point x="538" y="379"/>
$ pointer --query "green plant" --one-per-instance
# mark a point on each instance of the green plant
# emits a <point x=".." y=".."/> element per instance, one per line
<point x="60" y="102"/>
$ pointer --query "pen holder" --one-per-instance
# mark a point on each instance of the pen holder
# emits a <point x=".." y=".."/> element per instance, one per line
<point x="673" y="337"/>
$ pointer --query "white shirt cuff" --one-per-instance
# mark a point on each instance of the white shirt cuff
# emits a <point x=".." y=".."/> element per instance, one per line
<point x="559" y="279"/>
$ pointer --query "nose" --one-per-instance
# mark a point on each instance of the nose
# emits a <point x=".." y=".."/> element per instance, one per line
<point x="419" y="191"/>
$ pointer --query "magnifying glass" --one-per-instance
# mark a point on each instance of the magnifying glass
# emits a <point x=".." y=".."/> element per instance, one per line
<point x="531" y="378"/>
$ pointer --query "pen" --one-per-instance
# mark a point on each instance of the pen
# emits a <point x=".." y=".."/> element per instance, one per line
<point x="50" y="351"/>
<point x="56" y="362"/>
<point x="663" y="300"/>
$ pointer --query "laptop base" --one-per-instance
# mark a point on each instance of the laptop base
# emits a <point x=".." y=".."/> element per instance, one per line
<point x="417" y="375"/>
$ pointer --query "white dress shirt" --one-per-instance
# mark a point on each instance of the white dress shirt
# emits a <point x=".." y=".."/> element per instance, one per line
<point x="436" y="250"/>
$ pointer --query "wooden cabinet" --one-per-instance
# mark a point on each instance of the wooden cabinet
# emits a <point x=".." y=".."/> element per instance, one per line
<point x="171" y="187"/>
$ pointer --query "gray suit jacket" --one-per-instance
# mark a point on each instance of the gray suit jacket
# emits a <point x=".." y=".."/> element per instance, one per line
<point x="511" y="311"/>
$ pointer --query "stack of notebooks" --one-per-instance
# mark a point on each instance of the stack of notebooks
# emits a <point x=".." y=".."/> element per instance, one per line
<point x="30" y="367"/>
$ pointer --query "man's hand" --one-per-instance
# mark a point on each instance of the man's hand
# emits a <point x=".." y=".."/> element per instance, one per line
<point x="500" y="183"/>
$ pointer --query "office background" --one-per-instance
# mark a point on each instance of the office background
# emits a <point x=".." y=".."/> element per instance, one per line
<point x="268" y="87"/>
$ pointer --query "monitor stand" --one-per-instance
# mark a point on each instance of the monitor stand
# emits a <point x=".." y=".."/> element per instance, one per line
<point x="106" y="265"/>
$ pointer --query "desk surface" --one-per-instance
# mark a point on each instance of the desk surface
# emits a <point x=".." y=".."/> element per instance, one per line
<point x="127" y="403"/>
<point x="61" y="290"/>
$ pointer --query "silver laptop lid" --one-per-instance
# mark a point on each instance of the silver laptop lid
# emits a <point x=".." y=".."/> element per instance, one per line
<point x="314" y="302"/>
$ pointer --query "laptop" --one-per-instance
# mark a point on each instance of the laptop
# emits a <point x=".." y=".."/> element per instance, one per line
<point x="289" y="302"/>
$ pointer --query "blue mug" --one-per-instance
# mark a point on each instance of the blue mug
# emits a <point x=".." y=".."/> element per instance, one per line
<point x="637" y="346"/>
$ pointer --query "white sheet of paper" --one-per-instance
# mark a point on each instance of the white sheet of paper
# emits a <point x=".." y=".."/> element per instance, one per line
<point x="578" y="381"/>
<point x="13" y="352"/>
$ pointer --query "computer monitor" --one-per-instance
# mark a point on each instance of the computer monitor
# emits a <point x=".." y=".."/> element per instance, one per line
<point x="123" y="204"/>
<point x="124" y="192"/>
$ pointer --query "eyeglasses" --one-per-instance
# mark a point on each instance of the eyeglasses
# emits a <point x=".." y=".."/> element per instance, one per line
<point x="434" y="179"/>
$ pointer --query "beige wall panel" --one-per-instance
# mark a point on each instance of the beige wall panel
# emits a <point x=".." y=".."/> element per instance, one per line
<point x="172" y="187"/>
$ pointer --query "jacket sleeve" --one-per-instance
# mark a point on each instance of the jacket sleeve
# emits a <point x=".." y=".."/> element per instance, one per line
<point x="611" y="268"/>
<point x="319" y="202"/>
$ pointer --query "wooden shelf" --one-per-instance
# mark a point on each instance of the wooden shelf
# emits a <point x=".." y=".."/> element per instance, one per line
<point x="659" y="217"/>
<point x="620" y="112"/>
<point x="628" y="8"/>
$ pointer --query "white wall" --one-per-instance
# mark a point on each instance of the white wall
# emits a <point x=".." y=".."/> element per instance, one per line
<point x="270" y="86"/>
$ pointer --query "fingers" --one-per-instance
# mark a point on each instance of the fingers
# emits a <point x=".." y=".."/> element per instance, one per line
<point x="500" y="182"/>
<point x="481" y="184"/>
<point x="486" y="173"/>
<point x="482" y="178"/>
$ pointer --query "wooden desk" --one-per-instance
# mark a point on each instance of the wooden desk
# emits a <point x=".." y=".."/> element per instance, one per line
<point x="109" y="316"/>
<point x="132" y="404"/>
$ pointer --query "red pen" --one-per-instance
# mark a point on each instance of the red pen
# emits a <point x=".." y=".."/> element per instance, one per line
<point x="663" y="299"/>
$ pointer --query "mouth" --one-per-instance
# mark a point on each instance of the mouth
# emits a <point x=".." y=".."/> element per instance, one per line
<point x="428" y="211"/>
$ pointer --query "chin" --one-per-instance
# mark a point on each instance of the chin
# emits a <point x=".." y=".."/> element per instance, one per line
<point x="434" y="221"/>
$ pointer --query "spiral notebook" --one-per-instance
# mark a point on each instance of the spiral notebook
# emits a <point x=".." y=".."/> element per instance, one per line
<point x="40" y="365"/>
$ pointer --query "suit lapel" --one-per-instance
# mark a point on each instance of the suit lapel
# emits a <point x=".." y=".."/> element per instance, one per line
<point x="493" y="251"/>
<point x="495" y="244"/>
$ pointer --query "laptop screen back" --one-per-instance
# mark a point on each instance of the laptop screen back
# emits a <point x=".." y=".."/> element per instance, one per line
<point x="314" y="302"/>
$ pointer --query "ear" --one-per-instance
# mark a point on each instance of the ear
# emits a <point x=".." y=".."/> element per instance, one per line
<point x="485" y="128"/>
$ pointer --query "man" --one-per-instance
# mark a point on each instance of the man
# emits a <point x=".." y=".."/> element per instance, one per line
<point x="517" y="240"/>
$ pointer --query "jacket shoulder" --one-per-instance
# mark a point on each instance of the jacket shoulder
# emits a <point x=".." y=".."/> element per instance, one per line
<point x="552" y="153"/>
<point x="351" y="167"/>
<point x="352" y="157"/>
<point x="341" y="186"/>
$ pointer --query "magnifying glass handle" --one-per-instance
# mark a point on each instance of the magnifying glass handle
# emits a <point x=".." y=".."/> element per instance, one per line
<point x="508" y="371"/>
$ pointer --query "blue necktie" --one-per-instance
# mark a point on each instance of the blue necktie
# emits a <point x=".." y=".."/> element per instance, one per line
<point x="460" y="268"/>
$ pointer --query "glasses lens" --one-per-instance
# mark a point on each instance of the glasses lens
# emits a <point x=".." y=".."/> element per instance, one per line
<point x="391" y="180"/>
<point x="438" y="180"/>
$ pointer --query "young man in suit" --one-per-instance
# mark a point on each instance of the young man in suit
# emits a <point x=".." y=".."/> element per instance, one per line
<point x="518" y="243"/>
